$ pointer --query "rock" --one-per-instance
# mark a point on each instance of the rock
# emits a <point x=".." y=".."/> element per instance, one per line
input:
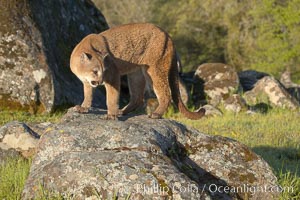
<point x="235" y="103"/>
<point x="292" y="88"/>
<point x="251" y="112"/>
<point x="295" y="92"/>
<point x="248" y="78"/>
<point x="286" y="81"/>
<point x="268" y="90"/>
<point x="19" y="137"/>
<point x="220" y="81"/>
<point x="211" y="111"/>
<point x="35" y="47"/>
<point x="40" y="128"/>
<point x="85" y="156"/>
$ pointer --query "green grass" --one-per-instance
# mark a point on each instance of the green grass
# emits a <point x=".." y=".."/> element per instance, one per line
<point x="292" y="182"/>
<point x="12" y="178"/>
<point x="275" y="136"/>
<point x="7" y="116"/>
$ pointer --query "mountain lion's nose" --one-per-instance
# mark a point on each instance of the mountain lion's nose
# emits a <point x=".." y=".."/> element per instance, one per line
<point x="95" y="83"/>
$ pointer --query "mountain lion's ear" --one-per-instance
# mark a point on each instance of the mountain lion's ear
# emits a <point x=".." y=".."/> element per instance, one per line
<point x="85" y="57"/>
<point x="98" y="52"/>
<point x="105" y="57"/>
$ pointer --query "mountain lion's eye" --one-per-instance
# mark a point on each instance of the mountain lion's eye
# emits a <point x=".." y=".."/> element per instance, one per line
<point x="95" y="72"/>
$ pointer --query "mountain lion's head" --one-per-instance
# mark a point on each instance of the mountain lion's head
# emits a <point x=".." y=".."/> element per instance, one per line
<point x="90" y="67"/>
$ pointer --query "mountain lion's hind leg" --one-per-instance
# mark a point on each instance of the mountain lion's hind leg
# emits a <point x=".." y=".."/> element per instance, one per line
<point x="136" y="84"/>
<point x="162" y="90"/>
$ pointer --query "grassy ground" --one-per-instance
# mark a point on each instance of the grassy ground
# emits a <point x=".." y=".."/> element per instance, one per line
<point x="275" y="136"/>
<point x="12" y="178"/>
<point x="7" y="116"/>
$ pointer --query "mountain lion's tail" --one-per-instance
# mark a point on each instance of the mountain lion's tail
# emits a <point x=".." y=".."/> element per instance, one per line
<point x="173" y="81"/>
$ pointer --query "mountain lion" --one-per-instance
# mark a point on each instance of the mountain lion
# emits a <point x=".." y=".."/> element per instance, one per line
<point x="143" y="52"/>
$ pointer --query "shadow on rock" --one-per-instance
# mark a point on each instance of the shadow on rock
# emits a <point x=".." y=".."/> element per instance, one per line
<point x="206" y="182"/>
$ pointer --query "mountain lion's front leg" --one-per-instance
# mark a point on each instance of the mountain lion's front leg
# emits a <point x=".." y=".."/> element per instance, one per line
<point x="112" y="98"/>
<point x="88" y="96"/>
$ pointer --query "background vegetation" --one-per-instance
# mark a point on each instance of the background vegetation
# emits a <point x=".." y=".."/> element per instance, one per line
<point x="259" y="34"/>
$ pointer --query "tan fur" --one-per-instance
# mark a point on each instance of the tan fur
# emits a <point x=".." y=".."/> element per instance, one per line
<point x="143" y="52"/>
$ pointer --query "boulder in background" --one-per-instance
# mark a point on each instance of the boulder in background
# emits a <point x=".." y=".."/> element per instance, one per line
<point x="268" y="90"/>
<point x="292" y="88"/>
<point x="220" y="81"/>
<point x="36" y="40"/>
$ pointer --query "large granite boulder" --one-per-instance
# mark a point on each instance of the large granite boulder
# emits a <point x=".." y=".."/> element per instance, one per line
<point x="36" y="40"/>
<point x="270" y="91"/>
<point x="220" y="81"/>
<point x="86" y="157"/>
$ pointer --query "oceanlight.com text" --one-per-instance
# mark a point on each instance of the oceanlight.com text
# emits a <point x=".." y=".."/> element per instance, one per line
<point x="210" y="188"/>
